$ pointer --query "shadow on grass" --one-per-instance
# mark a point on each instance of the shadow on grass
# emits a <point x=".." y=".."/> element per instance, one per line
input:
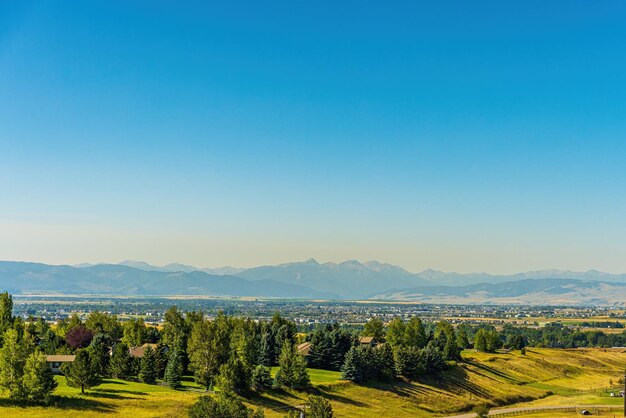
<point x="343" y="399"/>
<point x="284" y="403"/>
<point x="61" y="402"/>
<point x="113" y="382"/>
<point x="495" y="372"/>
<point x="116" y="393"/>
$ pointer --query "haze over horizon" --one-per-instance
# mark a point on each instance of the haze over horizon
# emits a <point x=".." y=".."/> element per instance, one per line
<point x="461" y="139"/>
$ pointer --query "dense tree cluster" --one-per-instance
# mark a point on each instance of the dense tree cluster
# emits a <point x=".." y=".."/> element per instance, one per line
<point x="329" y="345"/>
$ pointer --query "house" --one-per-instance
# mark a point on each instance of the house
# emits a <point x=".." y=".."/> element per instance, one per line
<point x="368" y="341"/>
<point x="304" y="349"/>
<point x="138" y="352"/>
<point x="55" y="361"/>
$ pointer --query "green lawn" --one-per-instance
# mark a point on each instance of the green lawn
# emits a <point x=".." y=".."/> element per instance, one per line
<point x="319" y="377"/>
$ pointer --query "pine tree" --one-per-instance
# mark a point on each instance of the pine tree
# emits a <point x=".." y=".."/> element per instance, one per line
<point x="319" y="407"/>
<point x="409" y="362"/>
<point x="174" y="370"/>
<point x="292" y="370"/>
<point x="451" y="350"/>
<point x="233" y="376"/>
<point x="120" y="364"/>
<point x="161" y="360"/>
<point x="224" y="405"/>
<point x="301" y="374"/>
<point x="99" y="354"/>
<point x="432" y="357"/>
<point x="261" y="378"/>
<point x="384" y="362"/>
<point x="352" y="368"/>
<point x="80" y="373"/>
<point x="38" y="380"/>
<point x="148" y="372"/>
<point x="265" y="350"/>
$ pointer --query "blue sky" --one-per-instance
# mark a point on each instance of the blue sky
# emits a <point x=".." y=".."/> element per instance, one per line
<point x="482" y="136"/>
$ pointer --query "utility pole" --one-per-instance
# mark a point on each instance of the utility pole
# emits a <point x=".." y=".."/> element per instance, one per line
<point x="624" y="396"/>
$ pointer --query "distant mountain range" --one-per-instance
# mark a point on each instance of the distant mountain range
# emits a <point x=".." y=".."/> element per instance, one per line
<point x="115" y="279"/>
<point x="313" y="280"/>
<point x="520" y="292"/>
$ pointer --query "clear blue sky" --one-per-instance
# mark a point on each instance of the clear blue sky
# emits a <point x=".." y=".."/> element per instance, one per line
<point x="466" y="136"/>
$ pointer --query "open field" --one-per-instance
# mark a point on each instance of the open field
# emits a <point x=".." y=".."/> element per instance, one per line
<point x="542" y="377"/>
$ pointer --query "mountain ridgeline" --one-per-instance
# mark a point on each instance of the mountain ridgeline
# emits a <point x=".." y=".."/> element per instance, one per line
<point x="312" y="280"/>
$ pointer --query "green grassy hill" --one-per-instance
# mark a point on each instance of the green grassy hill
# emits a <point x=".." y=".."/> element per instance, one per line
<point x="541" y="377"/>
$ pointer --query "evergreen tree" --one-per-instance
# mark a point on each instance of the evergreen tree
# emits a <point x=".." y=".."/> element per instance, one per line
<point x="352" y="368"/>
<point x="432" y="357"/>
<point x="148" y="371"/>
<point x="409" y="362"/>
<point x="385" y="363"/>
<point x="451" y="351"/>
<point x="266" y="353"/>
<point x="233" y="376"/>
<point x="174" y="370"/>
<point x="340" y="341"/>
<point x="224" y="405"/>
<point x="292" y="370"/>
<point x="38" y="381"/>
<point x="13" y="356"/>
<point x="99" y="354"/>
<point x="319" y="407"/>
<point x="80" y="373"/>
<point x="161" y="360"/>
<point x="261" y="378"/>
<point x="120" y="365"/>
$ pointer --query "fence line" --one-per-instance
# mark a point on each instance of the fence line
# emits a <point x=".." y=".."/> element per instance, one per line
<point x="537" y="410"/>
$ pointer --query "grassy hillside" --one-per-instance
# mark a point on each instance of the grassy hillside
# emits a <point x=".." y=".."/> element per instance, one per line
<point x="541" y="377"/>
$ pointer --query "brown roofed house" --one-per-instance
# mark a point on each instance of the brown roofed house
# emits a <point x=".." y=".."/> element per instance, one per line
<point x="138" y="352"/>
<point x="55" y="361"/>
<point x="304" y="349"/>
<point x="368" y="341"/>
